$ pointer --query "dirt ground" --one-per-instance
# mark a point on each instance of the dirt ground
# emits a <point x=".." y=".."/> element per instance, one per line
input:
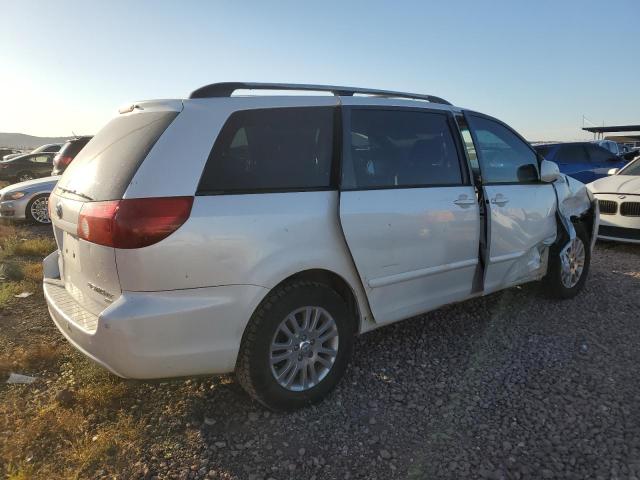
<point x="513" y="385"/>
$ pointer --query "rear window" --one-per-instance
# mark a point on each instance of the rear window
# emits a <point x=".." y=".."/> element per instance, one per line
<point x="103" y="169"/>
<point x="72" y="148"/>
<point x="271" y="150"/>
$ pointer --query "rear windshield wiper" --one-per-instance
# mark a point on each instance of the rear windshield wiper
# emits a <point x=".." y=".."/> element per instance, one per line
<point x="76" y="193"/>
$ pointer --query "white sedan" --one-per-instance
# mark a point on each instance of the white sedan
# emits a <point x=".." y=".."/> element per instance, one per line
<point x="619" y="199"/>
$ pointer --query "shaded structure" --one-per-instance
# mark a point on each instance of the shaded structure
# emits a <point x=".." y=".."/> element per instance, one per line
<point x="598" y="133"/>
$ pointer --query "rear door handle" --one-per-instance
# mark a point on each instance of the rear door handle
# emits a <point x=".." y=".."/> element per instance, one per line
<point x="464" y="201"/>
<point x="500" y="200"/>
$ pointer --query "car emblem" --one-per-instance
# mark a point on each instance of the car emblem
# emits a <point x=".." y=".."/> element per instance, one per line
<point x="622" y="197"/>
<point x="59" y="210"/>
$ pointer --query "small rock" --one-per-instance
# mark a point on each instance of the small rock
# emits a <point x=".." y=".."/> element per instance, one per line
<point x="385" y="454"/>
<point x="65" y="397"/>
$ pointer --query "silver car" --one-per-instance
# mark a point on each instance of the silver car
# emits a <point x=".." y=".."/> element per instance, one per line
<point x="27" y="200"/>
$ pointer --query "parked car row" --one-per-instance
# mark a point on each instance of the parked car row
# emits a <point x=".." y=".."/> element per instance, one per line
<point x="584" y="161"/>
<point x="37" y="173"/>
<point x="51" y="159"/>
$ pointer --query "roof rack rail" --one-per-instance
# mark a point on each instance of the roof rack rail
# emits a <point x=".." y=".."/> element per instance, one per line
<point x="227" y="88"/>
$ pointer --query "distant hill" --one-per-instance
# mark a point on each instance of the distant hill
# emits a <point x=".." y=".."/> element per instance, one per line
<point x="20" y="140"/>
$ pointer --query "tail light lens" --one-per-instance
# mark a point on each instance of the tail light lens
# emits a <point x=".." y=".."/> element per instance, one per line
<point x="62" y="160"/>
<point x="132" y="223"/>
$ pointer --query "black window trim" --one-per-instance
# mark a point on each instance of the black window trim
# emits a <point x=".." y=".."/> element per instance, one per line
<point x="335" y="167"/>
<point x="539" y="158"/>
<point x="460" y="139"/>
<point x="346" y="127"/>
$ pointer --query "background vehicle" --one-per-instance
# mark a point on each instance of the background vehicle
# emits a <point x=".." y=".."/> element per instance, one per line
<point x="67" y="153"/>
<point x="584" y="161"/>
<point x="27" y="200"/>
<point x="47" y="148"/>
<point x="292" y="223"/>
<point x="26" y="167"/>
<point x="8" y="152"/>
<point x="610" y="145"/>
<point x="619" y="200"/>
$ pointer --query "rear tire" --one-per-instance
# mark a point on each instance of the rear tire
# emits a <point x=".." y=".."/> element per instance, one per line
<point x="37" y="210"/>
<point x="274" y="348"/>
<point x="569" y="267"/>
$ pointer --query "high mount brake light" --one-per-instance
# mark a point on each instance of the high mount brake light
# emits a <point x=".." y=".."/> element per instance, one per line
<point x="132" y="223"/>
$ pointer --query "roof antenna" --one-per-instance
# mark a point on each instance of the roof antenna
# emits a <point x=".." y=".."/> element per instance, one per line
<point x="73" y="133"/>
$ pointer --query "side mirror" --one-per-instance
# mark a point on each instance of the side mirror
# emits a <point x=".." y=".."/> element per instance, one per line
<point x="613" y="171"/>
<point x="549" y="171"/>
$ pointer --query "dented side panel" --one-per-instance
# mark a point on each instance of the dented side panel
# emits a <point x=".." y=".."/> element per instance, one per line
<point x="576" y="203"/>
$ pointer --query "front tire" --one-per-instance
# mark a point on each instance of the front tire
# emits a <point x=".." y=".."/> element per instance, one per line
<point x="296" y="347"/>
<point x="37" y="210"/>
<point x="569" y="267"/>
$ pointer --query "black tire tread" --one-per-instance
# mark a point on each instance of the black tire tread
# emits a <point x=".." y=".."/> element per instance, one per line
<point x="552" y="282"/>
<point x="250" y="337"/>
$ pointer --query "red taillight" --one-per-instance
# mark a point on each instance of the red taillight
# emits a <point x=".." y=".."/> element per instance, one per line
<point x="132" y="223"/>
<point x="62" y="160"/>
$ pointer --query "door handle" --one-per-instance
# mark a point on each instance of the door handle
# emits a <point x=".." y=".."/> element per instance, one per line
<point x="500" y="200"/>
<point x="464" y="201"/>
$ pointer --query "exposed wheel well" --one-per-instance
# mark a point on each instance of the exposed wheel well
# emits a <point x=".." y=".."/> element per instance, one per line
<point x="334" y="281"/>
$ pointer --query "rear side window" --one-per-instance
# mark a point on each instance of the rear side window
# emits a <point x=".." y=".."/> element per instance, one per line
<point x="504" y="157"/>
<point x="103" y="169"/>
<point x="400" y="148"/>
<point x="275" y="149"/>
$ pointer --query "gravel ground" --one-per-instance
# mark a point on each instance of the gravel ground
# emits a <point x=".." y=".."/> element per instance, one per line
<point x="510" y="386"/>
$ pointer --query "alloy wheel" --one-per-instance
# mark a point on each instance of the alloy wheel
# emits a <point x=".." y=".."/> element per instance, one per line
<point x="304" y="348"/>
<point x="572" y="260"/>
<point x="40" y="210"/>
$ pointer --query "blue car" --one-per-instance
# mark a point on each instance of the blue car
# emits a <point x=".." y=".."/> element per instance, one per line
<point x="584" y="161"/>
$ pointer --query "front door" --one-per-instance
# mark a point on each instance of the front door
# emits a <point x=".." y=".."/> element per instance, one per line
<point x="521" y="209"/>
<point x="408" y="210"/>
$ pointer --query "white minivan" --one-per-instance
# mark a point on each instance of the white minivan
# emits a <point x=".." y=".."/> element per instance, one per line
<point x="260" y="233"/>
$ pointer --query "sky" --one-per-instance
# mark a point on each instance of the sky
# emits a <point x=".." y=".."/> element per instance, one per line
<point x="537" y="65"/>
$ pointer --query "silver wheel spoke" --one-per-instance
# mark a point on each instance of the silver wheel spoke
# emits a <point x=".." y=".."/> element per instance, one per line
<point x="279" y="358"/>
<point x="324" y="361"/>
<point x="314" y="374"/>
<point x="328" y="335"/>
<point x="572" y="262"/>
<point x="304" y="348"/>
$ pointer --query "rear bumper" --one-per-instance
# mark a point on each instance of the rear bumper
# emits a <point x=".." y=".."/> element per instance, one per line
<point x="163" y="334"/>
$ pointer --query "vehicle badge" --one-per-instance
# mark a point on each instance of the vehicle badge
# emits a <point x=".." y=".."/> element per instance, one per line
<point x="621" y="197"/>
<point x="59" y="210"/>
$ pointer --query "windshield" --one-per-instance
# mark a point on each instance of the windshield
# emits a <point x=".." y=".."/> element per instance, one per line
<point x="632" y="169"/>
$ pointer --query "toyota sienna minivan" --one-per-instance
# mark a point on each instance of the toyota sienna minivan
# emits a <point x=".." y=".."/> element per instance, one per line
<point x="260" y="233"/>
